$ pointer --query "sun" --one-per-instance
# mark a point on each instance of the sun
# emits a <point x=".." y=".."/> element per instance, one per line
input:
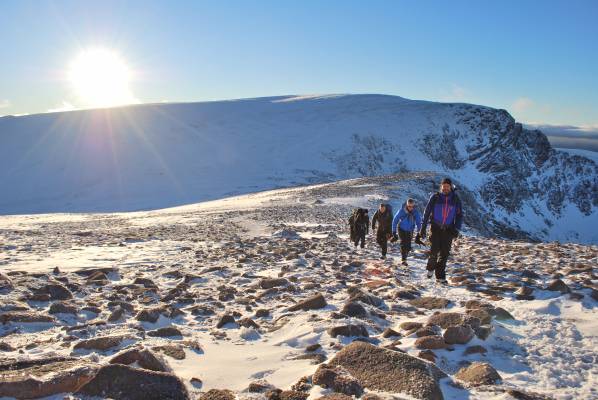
<point x="100" y="78"/>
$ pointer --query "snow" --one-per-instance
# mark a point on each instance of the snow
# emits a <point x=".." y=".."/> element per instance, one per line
<point x="163" y="155"/>
<point x="550" y="348"/>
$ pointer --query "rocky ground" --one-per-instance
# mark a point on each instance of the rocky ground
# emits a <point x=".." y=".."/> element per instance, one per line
<point x="263" y="297"/>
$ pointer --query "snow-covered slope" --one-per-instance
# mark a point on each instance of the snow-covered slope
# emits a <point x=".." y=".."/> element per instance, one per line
<point x="154" y="156"/>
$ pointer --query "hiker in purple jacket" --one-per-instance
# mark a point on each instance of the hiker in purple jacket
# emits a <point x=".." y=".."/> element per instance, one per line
<point x="445" y="214"/>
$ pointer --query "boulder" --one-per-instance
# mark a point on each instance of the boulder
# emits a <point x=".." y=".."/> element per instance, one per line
<point x="33" y="379"/>
<point x="218" y="394"/>
<point x="390" y="371"/>
<point x="478" y="374"/>
<point x="123" y="382"/>
<point x="338" y="379"/>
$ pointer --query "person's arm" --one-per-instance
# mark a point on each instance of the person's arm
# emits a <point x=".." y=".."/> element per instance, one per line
<point x="418" y="220"/>
<point x="367" y="224"/>
<point x="396" y="221"/>
<point x="374" y="219"/>
<point x="427" y="213"/>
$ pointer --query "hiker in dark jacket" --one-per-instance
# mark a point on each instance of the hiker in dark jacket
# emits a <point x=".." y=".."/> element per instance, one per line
<point x="403" y="225"/>
<point x="383" y="217"/>
<point x="359" y="222"/>
<point x="445" y="214"/>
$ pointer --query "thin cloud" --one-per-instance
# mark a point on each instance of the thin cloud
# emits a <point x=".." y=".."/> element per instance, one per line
<point x="455" y="93"/>
<point x="4" y="103"/>
<point x="522" y="104"/>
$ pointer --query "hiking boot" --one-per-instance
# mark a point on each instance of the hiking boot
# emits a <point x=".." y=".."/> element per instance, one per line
<point x="404" y="262"/>
<point x="442" y="281"/>
<point x="383" y="257"/>
<point x="429" y="274"/>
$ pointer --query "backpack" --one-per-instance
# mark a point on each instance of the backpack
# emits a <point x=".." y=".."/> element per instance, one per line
<point x="357" y="218"/>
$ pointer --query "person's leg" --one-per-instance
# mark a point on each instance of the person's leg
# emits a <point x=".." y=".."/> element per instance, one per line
<point x="445" y="248"/>
<point x="362" y="238"/>
<point x="403" y="238"/>
<point x="434" y="249"/>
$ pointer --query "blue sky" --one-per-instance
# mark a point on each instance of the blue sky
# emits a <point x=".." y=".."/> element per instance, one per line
<point x="537" y="59"/>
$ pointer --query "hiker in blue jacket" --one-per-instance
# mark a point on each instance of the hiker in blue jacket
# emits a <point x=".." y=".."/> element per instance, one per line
<point x="445" y="213"/>
<point x="405" y="221"/>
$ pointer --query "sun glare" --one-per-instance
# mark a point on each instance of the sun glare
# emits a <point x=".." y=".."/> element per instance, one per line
<point x="100" y="78"/>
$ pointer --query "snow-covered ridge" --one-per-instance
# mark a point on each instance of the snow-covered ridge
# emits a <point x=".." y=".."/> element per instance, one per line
<point x="161" y="155"/>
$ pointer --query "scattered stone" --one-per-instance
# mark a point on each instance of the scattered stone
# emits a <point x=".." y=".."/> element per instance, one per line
<point x="388" y="333"/>
<point x="483" y="332"/>
<point x="312" y="303"/>
<point x="313" y="347"/>
<point x="143" y="357"/>
<point x="478" y="374"/>
<point x="56" y="291"/>
<point x="410" y="326"/>
<point x="148" y="315"/>
<point x="99" y="343"/>
<point x="167" y="331"/>
<point x="354" y="309"/>
<point x="558" y="286"/>
<point x="24" y="316"/>
<point x="225" y="319"/>
<point x="60" y="307"/>
<point x="431" y="342"/>
<point x="116" y="314"/>
<point x="123" y="382"/>
<point x="429" y="303"/>
<point x="269" y="283"/>
<point x="444" y="320"/>
<point x="501" y="314"/>
<point x="483" y="315"/>
<point x="348" y="330"/>
<point x="461" y="334"/>
<point x="173" y="351"/>
<point x="477" y="349"/>
<point x="390" y="371"/>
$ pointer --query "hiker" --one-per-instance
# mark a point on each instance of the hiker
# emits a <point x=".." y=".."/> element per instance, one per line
<point x="404" y="223"/>
<point x="359" y="223"/>
<point x="445" y="214"/>
<point x="383" y="217"/>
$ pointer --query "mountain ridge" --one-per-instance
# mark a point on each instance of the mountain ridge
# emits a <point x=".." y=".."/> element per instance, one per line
<point x="161" y="155"/>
